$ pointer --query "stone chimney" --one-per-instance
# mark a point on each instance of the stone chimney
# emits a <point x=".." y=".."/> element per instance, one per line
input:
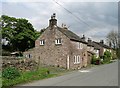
<point x="83" y="38"/>
<point x="64" y="26"/>
<point x="101" y="41"/>
<point x="110" y="45"/>
<point x="53" y="20"/>
<point x="89" y="40"/>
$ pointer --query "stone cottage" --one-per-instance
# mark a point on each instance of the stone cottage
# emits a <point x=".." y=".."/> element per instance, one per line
<point x="101" y="47"/>
<point x="58" y="46"/>
<point x="90" y="50"/>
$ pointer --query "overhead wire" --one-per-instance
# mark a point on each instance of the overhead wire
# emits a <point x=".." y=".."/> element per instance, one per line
<point x="79" y="19"/>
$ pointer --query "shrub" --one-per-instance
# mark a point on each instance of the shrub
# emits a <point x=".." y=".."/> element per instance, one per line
<point x="10" y="73"/>
<point x="118" y="53"/>
<point x="95" y="60"/>
<point x="44" y="72"/>
<point x="107" y="56"/>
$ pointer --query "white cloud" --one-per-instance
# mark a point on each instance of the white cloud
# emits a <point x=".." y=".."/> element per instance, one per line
<point x="44" y="11"/>
<point x="97" y="15"/>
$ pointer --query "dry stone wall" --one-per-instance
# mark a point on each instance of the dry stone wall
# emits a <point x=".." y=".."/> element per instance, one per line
<point x="22" y="64"/>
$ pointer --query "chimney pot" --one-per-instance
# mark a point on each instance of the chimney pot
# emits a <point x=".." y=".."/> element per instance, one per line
<point x="102" y="41"/>
<point x="54" y="15"/>
<point x="83" y="38"/>
<point x="89" y="40"/>
<point x="110" y="44"/>
<point x="53" y="21"/>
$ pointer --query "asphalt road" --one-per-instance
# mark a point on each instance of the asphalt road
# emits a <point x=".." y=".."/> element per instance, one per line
<point x="104" y="75"/>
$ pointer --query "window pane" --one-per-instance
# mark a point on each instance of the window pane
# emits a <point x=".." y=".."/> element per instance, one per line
<point x="78" y="59"/>
<point x="59" y="40"/>
<point x="74" y="59"/>
<point x="42" y="42"/>
<point x="81" y="45"/>
<point x="55" y="41"/>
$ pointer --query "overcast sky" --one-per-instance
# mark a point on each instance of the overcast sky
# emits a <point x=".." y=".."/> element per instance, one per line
<point x="93" y="19"/>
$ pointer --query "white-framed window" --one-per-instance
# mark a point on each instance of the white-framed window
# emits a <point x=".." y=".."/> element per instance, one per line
<point x="28" y="56"/>
<point x="76" y="59"/>
<point x="78" y="45"/>
<point x="42" y="42"/>
<point x="81" y="46"/>
<point x="58" y="41"/>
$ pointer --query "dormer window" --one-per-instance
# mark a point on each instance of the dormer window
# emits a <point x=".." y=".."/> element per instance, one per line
<point x="58" y="41"/>
<point x="42" y="42"/>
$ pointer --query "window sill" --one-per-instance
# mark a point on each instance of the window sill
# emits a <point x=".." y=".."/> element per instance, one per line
<point x="41" y="45"/>
<point x="77" y="63"/>
<point x="58" y="44"/>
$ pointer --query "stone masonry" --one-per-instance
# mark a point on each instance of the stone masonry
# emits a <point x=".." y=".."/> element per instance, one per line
<point x="71" y="53"/>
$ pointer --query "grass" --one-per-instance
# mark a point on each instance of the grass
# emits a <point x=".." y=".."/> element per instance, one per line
<point x="103" y="63"/>
<point x="0" y="82"/>
<point x="41" y="73"/>
<point x="30" y="76"/>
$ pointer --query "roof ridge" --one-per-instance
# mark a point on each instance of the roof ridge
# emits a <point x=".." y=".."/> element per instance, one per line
<point x="71" y="35"/>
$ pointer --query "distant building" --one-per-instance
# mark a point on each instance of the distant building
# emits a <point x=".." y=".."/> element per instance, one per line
<point x="102" y="47"/>
<point x="90" y="50"/>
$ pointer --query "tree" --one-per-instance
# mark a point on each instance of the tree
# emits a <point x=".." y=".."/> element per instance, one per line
<point x="112" y="39"/>
<point x="19" y="32"/>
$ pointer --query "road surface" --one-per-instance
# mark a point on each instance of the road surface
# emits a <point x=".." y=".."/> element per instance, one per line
<point x="104" y="75"/>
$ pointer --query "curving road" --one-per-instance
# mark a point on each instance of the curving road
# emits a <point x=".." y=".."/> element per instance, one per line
<point x="104" y="75"/>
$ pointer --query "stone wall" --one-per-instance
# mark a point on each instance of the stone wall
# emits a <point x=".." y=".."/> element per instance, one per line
<point x="22" y="64"/>
<point x="56" y="55"/>
<point x="50" y="53"/>
<point x="75" y="51"/>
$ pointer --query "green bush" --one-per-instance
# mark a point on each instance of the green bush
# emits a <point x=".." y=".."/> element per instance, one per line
<point x="118" y="53"/>
<point x="28" y="76"/>
<point x="107" y="57"/>
<point x="10" y="73"/>
<point x="94" y="59"/>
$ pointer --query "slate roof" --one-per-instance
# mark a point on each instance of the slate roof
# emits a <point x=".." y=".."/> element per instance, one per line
<point x="96" y="45"/>
<point x="105" y="46"/>
<point x="102" y="45"/>
<point x="90" y="44"/>
<point x="91" y="52"/>
<point x="71" y="35"/>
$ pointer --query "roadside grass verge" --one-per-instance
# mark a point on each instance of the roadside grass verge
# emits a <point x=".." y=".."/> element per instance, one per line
<point x="41" y="73"/>
<point x="0" y="82"/>
<point x="102" y="63"/>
